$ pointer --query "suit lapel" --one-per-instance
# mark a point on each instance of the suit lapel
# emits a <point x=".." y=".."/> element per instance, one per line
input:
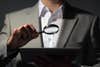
<point x="67" y="29"/>
<point x="33" y="17"/>
<point x="69" y="22"/>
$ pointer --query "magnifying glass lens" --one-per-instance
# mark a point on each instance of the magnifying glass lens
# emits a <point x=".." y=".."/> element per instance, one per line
<point x="50" y="30"/>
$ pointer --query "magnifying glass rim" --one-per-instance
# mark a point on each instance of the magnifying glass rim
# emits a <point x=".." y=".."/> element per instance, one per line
<point x="51" y="25"/>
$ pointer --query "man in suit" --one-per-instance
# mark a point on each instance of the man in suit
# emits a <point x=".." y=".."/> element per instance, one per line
<point x="78" y="28"/>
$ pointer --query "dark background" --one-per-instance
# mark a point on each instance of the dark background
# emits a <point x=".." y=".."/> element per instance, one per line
<point x="7" y="6"/>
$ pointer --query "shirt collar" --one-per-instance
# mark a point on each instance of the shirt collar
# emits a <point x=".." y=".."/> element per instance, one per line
<point x="43" y="9"/>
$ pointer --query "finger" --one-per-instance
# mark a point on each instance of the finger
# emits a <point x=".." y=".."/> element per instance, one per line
<point x="29" y="32"/>
<point x="13" y="38"/>
<point x="36" y="33"/>
<point x="23" y="32"/>
<point x="15" y="35"/>
<point x="32" y="30"/>
<point x="23" y="36"/>
<point x="14" y="32"/>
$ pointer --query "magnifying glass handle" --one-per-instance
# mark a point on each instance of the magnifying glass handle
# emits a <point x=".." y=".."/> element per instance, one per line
<point x="40" y="32"/>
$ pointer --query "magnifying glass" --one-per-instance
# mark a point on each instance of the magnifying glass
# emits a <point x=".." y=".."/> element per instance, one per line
<point x="50" y="29"/>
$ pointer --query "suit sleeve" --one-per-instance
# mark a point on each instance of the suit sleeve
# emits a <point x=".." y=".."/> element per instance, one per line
<point x="97" y="39"/>
<point x="3" y="36"/>
<point x="92" y="44"/>
<point x="6" y="53"/>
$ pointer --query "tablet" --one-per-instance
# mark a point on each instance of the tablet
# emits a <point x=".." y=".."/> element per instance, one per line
<point x="28" y="53"/>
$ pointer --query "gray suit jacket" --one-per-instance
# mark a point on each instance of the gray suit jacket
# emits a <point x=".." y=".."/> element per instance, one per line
<point x="80" y="30"/>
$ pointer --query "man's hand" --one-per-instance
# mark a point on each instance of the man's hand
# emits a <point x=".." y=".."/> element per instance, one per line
<point x="22" y="35"/>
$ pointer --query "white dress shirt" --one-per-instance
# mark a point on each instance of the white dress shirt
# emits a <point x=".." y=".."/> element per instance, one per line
<point x="50" y="41"/>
